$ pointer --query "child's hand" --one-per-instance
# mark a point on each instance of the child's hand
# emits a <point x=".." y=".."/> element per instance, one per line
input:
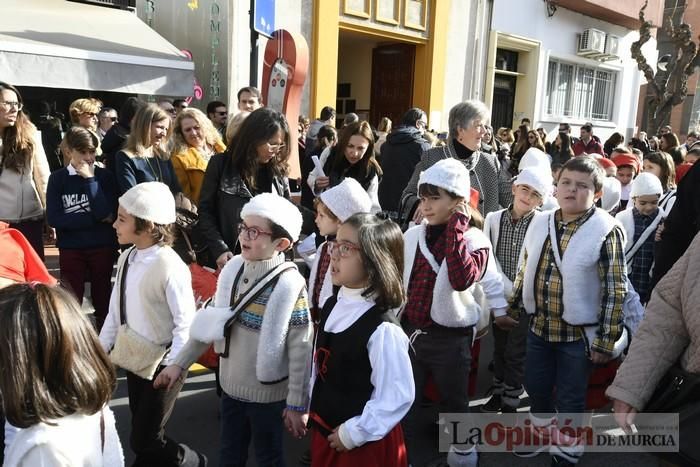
<point x="295" y="422"/>
<point x="85" y="170"/>
<point x="223" y="259"/>
<point x="461" y="207"/>
<point x="334" y="441"/>
<point x="168" y="377"/>
<point x="505" y="322"/>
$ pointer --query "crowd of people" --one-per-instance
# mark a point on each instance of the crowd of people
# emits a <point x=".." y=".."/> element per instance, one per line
<point x="566" y="250"/>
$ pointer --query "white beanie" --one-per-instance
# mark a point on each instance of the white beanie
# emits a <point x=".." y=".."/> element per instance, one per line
<point x="646" y="184"/>
<point x="538" y="179"/>
<point x="346" y="199"/>
<point x="448" y="174"/>
<point x="150" y="201"/>
<point x="612" y="193"/>
<point x="534" y="157"/>
<point x="277" y="210"/>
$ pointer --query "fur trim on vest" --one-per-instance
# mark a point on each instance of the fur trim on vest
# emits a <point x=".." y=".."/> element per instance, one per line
<point x="578" y="267"/>
<point x="626" y="218"/>
<point x="272" y="364"/>
<point x="450" y="308"/>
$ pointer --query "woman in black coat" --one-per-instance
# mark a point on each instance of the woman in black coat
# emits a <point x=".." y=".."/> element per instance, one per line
<point x="256" y="162"/>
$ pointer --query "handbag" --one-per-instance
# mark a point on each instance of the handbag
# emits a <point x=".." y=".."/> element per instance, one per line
<point x="679" y="392"/>
<point x="132" y="351"/>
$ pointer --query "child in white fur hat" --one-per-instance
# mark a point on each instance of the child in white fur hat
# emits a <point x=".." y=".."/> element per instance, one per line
<point x="333" y="207"/>
<point x="640" y="224"/>
<point x="506" y="230"/>
<point x="444" y="258"/>
<point x="260" y="325"/>
<point x="150" y="312"/>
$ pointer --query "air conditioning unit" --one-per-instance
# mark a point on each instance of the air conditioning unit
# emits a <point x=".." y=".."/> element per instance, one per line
<point x="591" y="43"/>
<point x="612" y="46"/>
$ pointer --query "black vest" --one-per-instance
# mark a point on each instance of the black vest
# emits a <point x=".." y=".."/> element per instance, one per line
<point x="343" y="387"/>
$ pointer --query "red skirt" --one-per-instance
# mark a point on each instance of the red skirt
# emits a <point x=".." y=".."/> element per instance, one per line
<point x="389" y="451"/>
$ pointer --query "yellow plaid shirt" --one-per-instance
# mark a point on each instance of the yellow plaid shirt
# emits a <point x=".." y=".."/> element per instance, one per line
<point x="547" y="321"/>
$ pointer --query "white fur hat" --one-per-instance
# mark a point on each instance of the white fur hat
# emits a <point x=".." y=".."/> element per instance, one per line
<point x="346" y="199"/>
<point x="538" y="179"/>
<point x="612" y="193"/>
<point x="646" y="184"/>
<point x="150" y="201"/>
<point x="534" y="157"/>
<point x="277" y="210"/>
<point x="448" y="174"/>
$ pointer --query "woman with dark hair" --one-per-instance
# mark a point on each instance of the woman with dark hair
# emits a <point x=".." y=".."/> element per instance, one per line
<point x="670" y="144"/>
<point x="24" y="170"/>
<point x="145" y="158"/>
<point x="522" y="143"/>
<point x="115" y="139"/>
<point x="615" y="140"/>
<point x="352" y="157"/>
<point x="327" y="138"/>
<point x="561" y="150"/>
<point x="255" y="162"/>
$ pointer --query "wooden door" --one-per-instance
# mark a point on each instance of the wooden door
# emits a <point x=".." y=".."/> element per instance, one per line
<point x="392" y="82"/>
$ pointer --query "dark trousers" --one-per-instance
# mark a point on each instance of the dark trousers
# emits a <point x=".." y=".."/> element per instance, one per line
<point x="92" y="265"/>
<point x="509" y="354"/>
<point x="150" y="411"/>
<point x="444" y="353"/>
<point x="34" y="233"/>
<point x="243" y="421"/>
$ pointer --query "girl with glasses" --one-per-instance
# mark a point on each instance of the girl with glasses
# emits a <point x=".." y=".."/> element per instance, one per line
<point x="361" y="377"/>
<point x="24" y="170"/>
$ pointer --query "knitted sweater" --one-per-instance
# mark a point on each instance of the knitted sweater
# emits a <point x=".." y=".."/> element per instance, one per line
<point x="72" y="441"/>
<point x="240" y="372"/>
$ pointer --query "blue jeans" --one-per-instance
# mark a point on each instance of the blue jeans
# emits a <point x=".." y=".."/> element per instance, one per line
<point x="241" y="421"/>
<point x="561" y="365"/>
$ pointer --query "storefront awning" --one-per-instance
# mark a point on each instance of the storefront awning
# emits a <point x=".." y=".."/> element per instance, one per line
<point x="62" y="44"/>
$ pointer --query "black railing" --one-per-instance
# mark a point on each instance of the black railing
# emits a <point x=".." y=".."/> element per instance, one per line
<point x="121" y="4"/>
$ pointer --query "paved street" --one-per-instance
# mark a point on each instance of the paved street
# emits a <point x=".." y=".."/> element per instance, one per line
<point x="195" y="420"/>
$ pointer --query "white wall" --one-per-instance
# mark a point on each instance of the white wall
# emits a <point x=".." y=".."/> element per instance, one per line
<point x="528" y="18"/>
<point x="465" y="64"/>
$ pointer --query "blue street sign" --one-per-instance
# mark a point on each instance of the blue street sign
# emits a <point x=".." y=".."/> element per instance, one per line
<point x="264" y="17"/>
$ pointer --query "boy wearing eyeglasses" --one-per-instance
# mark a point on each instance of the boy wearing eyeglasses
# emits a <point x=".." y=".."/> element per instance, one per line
<point x="260" y="325"/>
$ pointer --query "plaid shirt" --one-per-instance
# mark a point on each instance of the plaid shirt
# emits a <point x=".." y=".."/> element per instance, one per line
<point x="547" y="321"/>
<point x="463" y="268"/>
<point x="323" y="264"/>
<point x="511" y="236"/>
<point x="641" y="263"/>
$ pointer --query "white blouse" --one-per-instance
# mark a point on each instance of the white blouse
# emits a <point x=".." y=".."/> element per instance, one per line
<point x="392" y="376"/>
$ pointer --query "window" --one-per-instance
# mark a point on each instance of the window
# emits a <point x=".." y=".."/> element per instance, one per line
<point x="577" y="91"/>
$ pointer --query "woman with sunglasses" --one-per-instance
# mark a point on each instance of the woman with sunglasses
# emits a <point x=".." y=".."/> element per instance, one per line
<point x="24" y="170"/>
<point x="84" y="113"/>
<point x="254" y="163"/>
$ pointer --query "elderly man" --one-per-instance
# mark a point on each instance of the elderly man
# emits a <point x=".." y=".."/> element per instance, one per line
<point x="467" y="122"/>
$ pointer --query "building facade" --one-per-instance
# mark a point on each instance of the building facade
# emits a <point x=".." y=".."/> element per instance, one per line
<point x="566" y="61"/>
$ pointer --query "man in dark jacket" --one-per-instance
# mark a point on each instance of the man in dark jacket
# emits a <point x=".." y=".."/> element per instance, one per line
<point x="115" y="139"/>
<point x="399" y="156"/>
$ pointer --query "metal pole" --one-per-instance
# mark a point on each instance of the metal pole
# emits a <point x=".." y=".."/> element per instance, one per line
<point x="253" y="47"/>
